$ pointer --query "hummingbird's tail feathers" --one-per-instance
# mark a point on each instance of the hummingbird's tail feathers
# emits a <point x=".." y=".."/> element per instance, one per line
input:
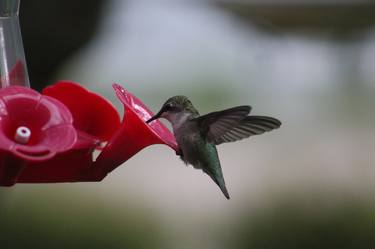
<point x="249" y="126"/>
<point x="219" y="182"/>
<point x="225" y="191"/>
<point x="222" y="187"/>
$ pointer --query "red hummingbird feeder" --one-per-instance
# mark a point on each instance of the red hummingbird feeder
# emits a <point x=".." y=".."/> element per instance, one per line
<point x="51" y="136"/>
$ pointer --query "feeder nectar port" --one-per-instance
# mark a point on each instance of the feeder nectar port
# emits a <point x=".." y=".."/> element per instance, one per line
<point x="22" y="135"/>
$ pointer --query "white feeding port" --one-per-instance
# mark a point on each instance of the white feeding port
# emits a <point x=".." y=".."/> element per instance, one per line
<point x="22" y="135"/>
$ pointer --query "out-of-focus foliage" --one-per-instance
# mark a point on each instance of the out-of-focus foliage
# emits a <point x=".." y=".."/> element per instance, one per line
<point x="67" y="220"/>
<point x="338" y="18"/>
<point x="309" y="222"/>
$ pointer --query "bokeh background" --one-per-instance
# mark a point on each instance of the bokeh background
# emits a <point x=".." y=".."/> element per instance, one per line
<point x="310" y="184"/>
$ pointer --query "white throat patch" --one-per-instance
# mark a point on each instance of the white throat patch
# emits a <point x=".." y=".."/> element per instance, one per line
<point x="177" y="119"/>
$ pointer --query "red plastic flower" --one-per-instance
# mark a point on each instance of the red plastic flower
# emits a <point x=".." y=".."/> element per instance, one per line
<point x="133" y="135"/>
<point x="92" y="113"/>
<point x="46" y="123"/>
<point x="43" y="117"/>
<point x="51" y="137"/>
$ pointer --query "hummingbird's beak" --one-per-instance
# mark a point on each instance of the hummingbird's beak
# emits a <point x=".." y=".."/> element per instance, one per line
<point x="156" y="116"/>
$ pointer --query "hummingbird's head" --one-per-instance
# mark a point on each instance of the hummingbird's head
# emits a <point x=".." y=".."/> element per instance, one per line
<point x="175" y="110"/>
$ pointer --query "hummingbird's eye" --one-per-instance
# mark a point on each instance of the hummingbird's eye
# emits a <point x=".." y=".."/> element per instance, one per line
<point x="168" y="107"/>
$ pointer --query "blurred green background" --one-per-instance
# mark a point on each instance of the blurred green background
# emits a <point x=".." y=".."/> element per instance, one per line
<point x="310" y="184"/>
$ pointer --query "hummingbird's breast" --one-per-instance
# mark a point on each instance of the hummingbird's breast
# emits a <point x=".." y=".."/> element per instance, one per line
<point x="195" y="149"/>
<point x="188" y="137"/>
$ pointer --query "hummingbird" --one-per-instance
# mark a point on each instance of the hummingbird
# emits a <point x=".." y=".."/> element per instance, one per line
<point x="197" y="136"/>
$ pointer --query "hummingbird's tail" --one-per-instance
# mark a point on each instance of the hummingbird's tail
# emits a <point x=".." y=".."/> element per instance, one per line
<point x="224" y="190"/>
<point x="221" y="183"/>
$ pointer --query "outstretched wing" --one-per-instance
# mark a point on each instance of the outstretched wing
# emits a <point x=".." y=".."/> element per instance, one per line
<point x="233" y="124"/>
<point x="216" y="124"/>
<point x="249" y="126"/>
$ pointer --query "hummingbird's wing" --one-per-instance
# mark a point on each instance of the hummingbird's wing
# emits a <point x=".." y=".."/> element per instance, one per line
<point x="249" y="126"/>
<point x="233" y="124"/>
<point x="216" y="124"/>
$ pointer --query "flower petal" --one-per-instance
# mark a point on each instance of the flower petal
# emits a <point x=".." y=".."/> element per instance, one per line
<point x="133" y="135"/>
<point x="135" y="105"/>
<point x="41" y="115"/>
<point x="92" y="113"/>
<point x="74" y="165"/>
<point x="54" y="151"/>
